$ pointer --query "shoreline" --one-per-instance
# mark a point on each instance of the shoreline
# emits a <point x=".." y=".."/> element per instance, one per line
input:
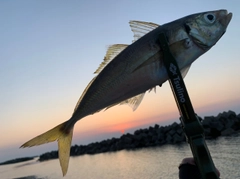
<point x="224" y="124"/>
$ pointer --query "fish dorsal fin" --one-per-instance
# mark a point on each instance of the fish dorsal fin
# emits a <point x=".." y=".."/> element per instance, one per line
<point x="185" y="70"/>
<point x="134" y="102"/>
<point x="112" y="52"/>
<point x="84" y="92"/>
<point x="141" y="28"/>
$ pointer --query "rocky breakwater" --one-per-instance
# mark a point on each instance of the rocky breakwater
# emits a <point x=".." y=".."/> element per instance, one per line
<point x="17" y="160"/>
<point x="224" y="124"/>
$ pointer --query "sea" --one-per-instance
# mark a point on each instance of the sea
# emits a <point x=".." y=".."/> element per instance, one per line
<point x="146" y="163"/>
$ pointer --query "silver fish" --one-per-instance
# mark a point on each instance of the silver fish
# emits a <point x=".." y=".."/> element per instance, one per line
<point x="128" y="71"/>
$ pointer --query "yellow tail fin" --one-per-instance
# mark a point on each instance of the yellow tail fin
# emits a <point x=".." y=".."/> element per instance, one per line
<point x="64" y="143"/>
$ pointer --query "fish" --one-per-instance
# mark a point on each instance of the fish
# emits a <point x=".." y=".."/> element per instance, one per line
<point x="128" y="71"/>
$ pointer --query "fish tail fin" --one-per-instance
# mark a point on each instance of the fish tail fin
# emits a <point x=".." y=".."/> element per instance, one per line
<point x="64" y="139"/>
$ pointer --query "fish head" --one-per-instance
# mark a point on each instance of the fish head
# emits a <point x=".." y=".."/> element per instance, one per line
<point x="208" y="27"/>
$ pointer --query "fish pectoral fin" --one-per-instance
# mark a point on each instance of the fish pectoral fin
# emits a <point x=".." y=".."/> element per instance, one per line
<point x="112" y="52"/>
<point x="64" y="143"/>
<point x="134" y="102"/>
<point x="185" y="70"/>
<point x="156" y="58"/>
<point x="141" y="28"/>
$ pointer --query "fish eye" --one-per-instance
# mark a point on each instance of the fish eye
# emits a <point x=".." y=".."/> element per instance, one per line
<point x="210" y="18"/>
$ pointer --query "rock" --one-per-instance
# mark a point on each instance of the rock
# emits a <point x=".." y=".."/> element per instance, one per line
<point x="17" y="160"/>
<point x="48" y="155"/>
<point x="143" y="136"/>
<point x="137" y="138"/>
<point x="156" y="126"/>
<point x="154" y="139"/>
<point x="169" y="139"/>
<point x="226" y="123"/>
<point x="172" y="132"/>
<point x="238" y="116"/>
<point x="214" y="133"/>
<point x="229" y="123"/>
<point x="137" y="132"/>
<point x="178" y="138"/>
<point x="166" y="129"/>
<point x="207" y="132"/>
<point x="151" y="130"/>
<point x="120" y="145"/>
<point x="236" y="125"/>
<point x="231" y="114"/>
<point x="227" y="115"/>
<point x="28" y="177"/>
<point x="160" y="131"/>
<point x="160" y="137"/>
<point x="175" y="126"/>
<point x="206" y="121"/>
<point x="113" y="148"/>
<point x="127" y="140"/>
<point x="180" y="131"/>
<point x="227" y="132"/>
<point x="74" y="150"/>
<point x="217" y="125"/>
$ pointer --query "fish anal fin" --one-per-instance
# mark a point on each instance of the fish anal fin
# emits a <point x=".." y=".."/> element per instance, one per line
<point x="134" y="102"/>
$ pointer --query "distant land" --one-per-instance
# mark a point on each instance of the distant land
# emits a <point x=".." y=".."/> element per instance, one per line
<point x="224" y="124"/>
<point x="17" y="160"/>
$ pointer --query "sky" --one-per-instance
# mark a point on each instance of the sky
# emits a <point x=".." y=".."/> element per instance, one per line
<point x="50" y="49"/>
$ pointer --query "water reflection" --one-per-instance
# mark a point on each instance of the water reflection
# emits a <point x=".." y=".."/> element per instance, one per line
<point x="28" y="177"/>
<point x="157" y="162"/>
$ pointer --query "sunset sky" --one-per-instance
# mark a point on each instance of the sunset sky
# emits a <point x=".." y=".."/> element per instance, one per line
<point x="50" y="49"/>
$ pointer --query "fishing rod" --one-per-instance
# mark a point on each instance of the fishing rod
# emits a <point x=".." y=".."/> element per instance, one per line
<point x="191" y="125"/>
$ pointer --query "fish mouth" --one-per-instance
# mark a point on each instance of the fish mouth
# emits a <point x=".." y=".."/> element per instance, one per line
<point x="225" y="17"/>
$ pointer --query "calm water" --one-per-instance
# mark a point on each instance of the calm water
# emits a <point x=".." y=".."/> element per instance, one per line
<point x="149" y="163"/>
